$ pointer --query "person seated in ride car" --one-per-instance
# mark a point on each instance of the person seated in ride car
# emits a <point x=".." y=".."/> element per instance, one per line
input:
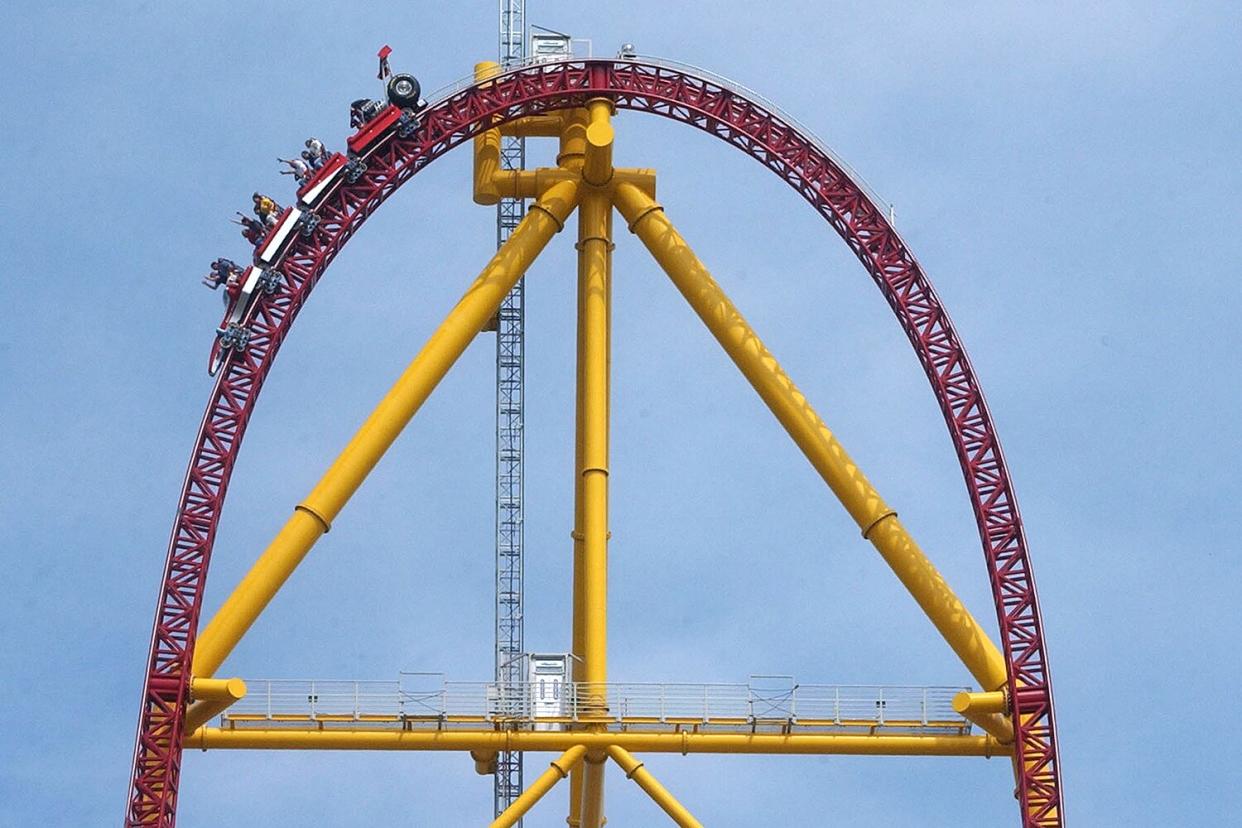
<point x="253" y="230"/>
<point x="363" y="110"/>
<point x="266" y="209"/>
<point x="315" y="153"/>
<point x="298" y="168"/>
<point x="232" y="288"/>
<point x="221" y="269"/>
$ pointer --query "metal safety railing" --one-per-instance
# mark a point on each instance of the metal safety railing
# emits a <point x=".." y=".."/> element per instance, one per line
<point x="624" y="704"/>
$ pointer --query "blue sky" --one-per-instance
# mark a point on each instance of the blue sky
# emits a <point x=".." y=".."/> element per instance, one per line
<point x="1068" y="177"/>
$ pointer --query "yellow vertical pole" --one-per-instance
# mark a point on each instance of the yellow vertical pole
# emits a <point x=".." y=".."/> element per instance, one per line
<point x="574" y="820"/>
<point x="878" y="522"/>
<point x="315" y="514"/>
<point x="635" y="770"/>
<point x="586" y="145"/>
<point x="593" y="791"/>
<point x="597" y="143"/>
<point x="595" y="321"/>
<point x="559" y="769"/>
<point x="572" y="152"/>
<point x="486" y="147"/>
<point x="570" y="157"/>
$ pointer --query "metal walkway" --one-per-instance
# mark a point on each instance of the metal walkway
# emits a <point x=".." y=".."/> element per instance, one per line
<point x="720" y="708"/>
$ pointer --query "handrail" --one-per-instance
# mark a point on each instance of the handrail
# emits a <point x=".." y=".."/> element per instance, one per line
<point x="624" y="702"/>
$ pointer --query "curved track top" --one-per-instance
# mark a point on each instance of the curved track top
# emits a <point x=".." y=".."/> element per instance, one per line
<point x="734" y="116"/>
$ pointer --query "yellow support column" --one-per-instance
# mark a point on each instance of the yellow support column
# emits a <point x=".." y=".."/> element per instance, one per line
<point x="593" y="791"/>
<point x="486" y="148"/>
<point x="635" y="770"/>
<point x="559" y="769"/>
<point x="573" y="139"/>
<point x="586" y="144"/>
<point x="597" y="151"/>
<point x="878" y="522"/>
<point x="595" y="323"/>
<point x="574" y="820"/>
<point x="315" y="514"/>
<point x="492" y="181"/>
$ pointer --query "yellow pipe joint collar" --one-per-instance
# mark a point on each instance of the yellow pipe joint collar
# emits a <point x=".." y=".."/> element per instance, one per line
<point x="866" y="533"/>
<point x="651" y="208"/>
<point x="569" y="760"/>
<point x="629" y="773"/>
<point x="310" y="510"/>
<point x="560" y="225"/>
<point x="580" y="245"/>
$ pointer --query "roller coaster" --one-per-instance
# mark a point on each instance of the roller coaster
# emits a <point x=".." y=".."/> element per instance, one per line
<point x="593" y="721"/>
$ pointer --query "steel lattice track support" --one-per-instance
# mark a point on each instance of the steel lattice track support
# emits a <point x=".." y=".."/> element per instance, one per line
<point x="510" y="438"/>
<point x="796" y="158"/>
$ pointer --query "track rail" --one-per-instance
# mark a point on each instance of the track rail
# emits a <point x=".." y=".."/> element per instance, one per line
<point x="729" y="113"/>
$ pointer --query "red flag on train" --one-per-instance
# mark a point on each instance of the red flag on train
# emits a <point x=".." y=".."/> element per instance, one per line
<point x="384" y="71"/>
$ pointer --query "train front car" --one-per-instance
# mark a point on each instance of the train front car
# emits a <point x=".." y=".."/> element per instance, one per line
<point x="400" y="115"/>
<point x="369" y="137"/>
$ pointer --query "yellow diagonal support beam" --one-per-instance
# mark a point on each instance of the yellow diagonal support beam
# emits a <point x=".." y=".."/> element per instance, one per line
<point x="558" y="770"/>
<point x="635" y="770"/>
<point x="878" y="522"/>
<point x="313" y="517"/>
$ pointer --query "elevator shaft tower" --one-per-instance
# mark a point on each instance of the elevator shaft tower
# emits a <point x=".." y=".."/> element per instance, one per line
<point x="510" y="391"/>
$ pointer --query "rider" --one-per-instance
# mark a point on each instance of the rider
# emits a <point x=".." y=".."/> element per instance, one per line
<point x="252" y="229"/>
<point x="221" y="270"/>
<point x="315" y="153"/>
<point x="266" y="209"/>
<point x="232" y="288"/>
<point x="363" y="110"/>
<point x="298" y="168"/>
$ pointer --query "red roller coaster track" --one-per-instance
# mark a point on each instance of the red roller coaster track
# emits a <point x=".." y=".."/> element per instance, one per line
<point x="728" y="114"/>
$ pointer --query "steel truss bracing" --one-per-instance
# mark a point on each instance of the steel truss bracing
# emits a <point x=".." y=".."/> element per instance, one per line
<point x="718" y="109"/>
<point x="510" y="431"/>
